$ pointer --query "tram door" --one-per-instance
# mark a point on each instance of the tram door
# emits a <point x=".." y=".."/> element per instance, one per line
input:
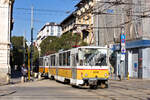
<point x="73" y="65"/>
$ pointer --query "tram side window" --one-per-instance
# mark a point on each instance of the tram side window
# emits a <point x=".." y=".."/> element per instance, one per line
<point x="81" y="57"/>
<point x="60" y="59"/>
<point x="46" y="60"/>
<point x="53" y="60"/>
<point x="68" y="58"/>
<point x="41" y="61"/>
<point x="64" y="59"/>
<point x="49" y="60"/>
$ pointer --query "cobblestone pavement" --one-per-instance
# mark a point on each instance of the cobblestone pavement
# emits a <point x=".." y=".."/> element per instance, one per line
<point x="52" y="90"/>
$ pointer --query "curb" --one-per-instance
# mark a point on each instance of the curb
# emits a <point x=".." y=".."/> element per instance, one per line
<point x="5" y="93"/>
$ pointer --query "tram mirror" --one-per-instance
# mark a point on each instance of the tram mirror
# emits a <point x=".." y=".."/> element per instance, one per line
<point x="77" y="57"/>
<point x="81" y="62"/>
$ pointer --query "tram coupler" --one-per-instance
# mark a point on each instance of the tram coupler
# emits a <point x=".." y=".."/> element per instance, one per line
<point x="93" y="81"/>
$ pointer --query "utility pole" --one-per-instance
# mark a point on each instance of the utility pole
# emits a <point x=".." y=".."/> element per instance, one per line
<point x="28" y="62"/>
<point x="24" y="48"/>
<point x="31" y="38"/>
<point x="123" y="45"/>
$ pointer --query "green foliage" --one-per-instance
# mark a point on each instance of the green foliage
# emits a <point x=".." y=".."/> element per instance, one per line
<point x="53" y="44"/>
<point x="17" y="53"/>
<point x="35" y="56"/>
<point x="17" y="42"/>
<point x="83" y="43"/>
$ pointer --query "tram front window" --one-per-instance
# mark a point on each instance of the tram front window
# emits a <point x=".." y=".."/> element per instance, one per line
<point x="92" y="57"/>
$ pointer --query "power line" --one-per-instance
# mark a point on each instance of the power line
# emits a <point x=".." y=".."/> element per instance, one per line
<point x="41" y="10"/>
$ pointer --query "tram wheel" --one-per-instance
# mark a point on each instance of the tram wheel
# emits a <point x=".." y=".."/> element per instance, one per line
<point x="93" y="86"/>
<point x="103" y="85"/>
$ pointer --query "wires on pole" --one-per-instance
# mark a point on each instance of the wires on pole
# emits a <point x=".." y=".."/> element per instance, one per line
<point x="32" y="38"/>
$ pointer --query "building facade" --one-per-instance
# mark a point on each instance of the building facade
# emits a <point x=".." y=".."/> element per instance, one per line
<point x="5" y="33"/>
<point x="84" y="20"/>
<point x="49" y="29"/>
<point x="68" y="24"/>
<point x="81" y="21"/>
<point x="129" y="17"/>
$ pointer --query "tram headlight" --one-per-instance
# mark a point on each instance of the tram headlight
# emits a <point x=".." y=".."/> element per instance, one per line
<point x="106" y="75"/>
<point x="86" y="75"/>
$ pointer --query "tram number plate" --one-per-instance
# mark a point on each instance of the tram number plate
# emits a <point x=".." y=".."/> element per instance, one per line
<point x="96" y="72"/>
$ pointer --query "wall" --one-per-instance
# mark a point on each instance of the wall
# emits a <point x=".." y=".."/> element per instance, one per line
<point x="5" y="15"/>
<point x="146" y="63"/>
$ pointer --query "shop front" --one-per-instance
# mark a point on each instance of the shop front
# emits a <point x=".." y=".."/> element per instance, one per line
<point x="137" y="59"/>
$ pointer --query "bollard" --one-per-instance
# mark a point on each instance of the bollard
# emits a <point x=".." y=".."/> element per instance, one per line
<point x="22" y="79"/>
<point x="35" y="75"/>
<point x="8" y="78"/>
<point x="39" y="76"/>
<point x="128" y="75"/>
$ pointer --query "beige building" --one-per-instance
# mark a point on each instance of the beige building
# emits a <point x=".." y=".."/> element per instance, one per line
<point x="84" y="20"/>
<point x="68" y="24"/>
<point x="5" y="32"/>
<point x="81" y="21"/>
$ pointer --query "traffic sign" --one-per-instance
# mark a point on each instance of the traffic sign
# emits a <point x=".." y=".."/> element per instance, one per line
<point x="123" y="41"/>
<point x="123" y="46"/>
<point x="123" y="50"/>
<point x="123" y="36"/>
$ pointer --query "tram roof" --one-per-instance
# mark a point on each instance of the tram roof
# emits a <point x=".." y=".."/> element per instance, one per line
<point x="97" y="47"/>
<point x="93" y="47"/>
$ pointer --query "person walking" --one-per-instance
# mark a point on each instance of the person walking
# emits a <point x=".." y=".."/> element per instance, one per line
<point x="24" y="73"/>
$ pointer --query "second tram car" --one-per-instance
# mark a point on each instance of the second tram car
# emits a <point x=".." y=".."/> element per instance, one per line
<point x="82" y="66"/>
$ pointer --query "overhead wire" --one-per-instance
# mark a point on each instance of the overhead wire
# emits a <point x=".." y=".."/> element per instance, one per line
<point x="102" y="12"/>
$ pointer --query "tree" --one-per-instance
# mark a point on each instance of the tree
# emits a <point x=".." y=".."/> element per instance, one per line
<point x="35" y="59"/>
<point x="17" y="51"/>
<point x="67" y="41"/>
<point x="35" y="56"/>
<point x="50" y="44"/>
<point x="82" y="43"/>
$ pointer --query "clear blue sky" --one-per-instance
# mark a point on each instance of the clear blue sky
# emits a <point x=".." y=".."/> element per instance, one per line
<point x="54" y="11"/>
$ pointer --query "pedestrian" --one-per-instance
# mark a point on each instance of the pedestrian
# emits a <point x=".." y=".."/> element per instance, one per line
<point x="24" y="72"/>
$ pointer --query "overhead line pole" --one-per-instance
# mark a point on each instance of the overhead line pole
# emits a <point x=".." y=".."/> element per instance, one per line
<point x="32" y="38"/>
<point x="24" y="48"/>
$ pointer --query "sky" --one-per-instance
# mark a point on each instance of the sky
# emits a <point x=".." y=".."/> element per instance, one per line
<point x="44" y="11"/>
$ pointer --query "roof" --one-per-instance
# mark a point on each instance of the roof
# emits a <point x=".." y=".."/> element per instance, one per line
<point x="49" y="24"/>
<point x="67" y="18"/>
<point x="98" y="47"/>
<point x="80" y="3"/>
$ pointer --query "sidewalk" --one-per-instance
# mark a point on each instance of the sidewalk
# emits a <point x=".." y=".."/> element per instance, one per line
<point x="15" y="78"/>
<point x="6" y="92"/>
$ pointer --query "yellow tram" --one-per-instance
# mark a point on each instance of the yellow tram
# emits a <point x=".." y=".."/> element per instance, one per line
<point x="82" y="66"/>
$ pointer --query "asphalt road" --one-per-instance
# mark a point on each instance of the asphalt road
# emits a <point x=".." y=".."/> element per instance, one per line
<point x="52" y="90"/>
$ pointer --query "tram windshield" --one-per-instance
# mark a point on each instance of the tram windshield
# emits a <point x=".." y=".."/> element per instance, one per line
<point x="92" y="57"/>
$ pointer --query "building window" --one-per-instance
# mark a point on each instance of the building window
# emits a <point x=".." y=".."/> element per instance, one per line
<point x="47" y="30"/>
<point x="52" y="30"/>
<point x="59" y="31"/>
